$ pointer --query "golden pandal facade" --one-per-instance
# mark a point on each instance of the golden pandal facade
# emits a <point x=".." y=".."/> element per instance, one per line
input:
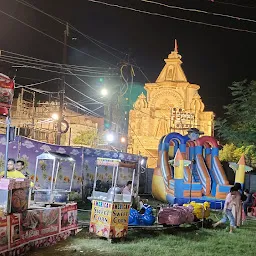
<point x="172" y="104"/>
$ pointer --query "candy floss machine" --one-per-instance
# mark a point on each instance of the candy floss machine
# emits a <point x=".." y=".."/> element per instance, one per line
<point x="51" y="185"/>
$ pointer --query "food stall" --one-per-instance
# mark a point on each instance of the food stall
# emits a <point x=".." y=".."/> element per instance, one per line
<point x="44" y="221"/>
<point x="51" y="190"/>
<point x="110" y="210"/>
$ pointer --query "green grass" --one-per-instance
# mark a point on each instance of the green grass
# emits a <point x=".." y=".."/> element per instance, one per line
<point x="203" y="242"/>
<point x="185" y="242"/>
<point x="84" y="216"/>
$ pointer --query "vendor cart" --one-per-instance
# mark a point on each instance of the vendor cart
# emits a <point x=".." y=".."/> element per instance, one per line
<point x="110" y="210"/>
<point x="53" y="187"/>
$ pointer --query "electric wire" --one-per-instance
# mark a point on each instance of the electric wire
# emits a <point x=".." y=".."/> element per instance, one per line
<point x="54" y="63"/>
<point x="81" y="106"/>
<point x="81" y="80"/>
<point x="43" y="82"/>
<point x="82" y="93"/>
<point x="32" y="64"/>
<point x="172" y="17"/>
<point x="21" y="65"/>
<point x="198" y="11"/>
<point x="55" y="39"/>
<point x="93" y="40"/>
<point x="229" y="3"/>
<point x="81" y="33"/>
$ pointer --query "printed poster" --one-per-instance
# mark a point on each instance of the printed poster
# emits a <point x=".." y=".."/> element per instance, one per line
<point x="119" y="220"/>
<point x="3" y="234"/>
<point x="100" y="218"/>
<point x="40" y="223"/>
<point x="69" y="217"/>
<point x="15" y="232"/>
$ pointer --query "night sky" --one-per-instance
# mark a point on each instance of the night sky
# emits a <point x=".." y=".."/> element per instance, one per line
<point x="213" y="57"/>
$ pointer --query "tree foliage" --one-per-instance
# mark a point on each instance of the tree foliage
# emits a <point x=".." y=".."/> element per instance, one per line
<point x="238" y="127"/>
<point x="85" y="138"/>
<point x="231" y="153"/>
<point x="239" y="124"/>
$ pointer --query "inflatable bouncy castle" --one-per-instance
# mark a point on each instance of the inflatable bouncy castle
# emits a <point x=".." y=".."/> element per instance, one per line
<point x="189" y="169"/>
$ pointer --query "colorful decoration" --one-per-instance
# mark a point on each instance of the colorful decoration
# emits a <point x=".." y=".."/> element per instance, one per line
<point x="200" y="210"/>
<point x="240" y="169"/>
<point x="6" y="91"/>
<point x="195" y="174"/>
<point x="85" y="162"/>
<point x="36" y="228"/>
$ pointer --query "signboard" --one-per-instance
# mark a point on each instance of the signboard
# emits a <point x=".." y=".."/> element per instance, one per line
<point x="100" y="218"/>
<point x="180" y="114"/>
<point x="107" y="161"/>
<point x="119" y="220"/>
<point x="109" y="220"/>
<point x="6" y="91"/>
<point x="181" y="118"/>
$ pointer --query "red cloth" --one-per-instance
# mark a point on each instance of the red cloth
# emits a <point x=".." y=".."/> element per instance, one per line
<point x="175" y="215"/>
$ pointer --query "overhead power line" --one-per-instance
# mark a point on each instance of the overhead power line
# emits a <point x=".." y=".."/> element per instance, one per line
<point x="24" y="62"/>
<point x="199" y="11"/>
<point x="53" y="38"/>
<point x="83" y="94"/>
<point x="81" y="80"/>
<point x="172" y="17"/>
<point x="31" y="85"/>
<point x="94" y="41"/>
<point x="229" y="3"/>
<point x="21" y="64"/>
<point x="83" y="107"/>
<point x="25" y="57"/>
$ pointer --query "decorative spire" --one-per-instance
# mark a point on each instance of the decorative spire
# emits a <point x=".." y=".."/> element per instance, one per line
<point x="242" y="160"/>
<point x="178" y="156"/>
<point x="175" y="46"/>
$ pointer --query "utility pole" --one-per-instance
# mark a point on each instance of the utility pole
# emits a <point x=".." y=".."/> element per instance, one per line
<point x="62" y="87"/>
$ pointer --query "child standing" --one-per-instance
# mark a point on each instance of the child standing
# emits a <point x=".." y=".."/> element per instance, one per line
<point x="228" y="215"/>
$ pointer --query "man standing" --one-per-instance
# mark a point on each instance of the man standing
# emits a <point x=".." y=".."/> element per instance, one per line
<point x="20" y="167"/>
<point x="12" y="173"/>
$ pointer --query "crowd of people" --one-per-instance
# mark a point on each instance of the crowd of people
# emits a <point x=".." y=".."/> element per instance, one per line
<point x="236" y="207"/>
